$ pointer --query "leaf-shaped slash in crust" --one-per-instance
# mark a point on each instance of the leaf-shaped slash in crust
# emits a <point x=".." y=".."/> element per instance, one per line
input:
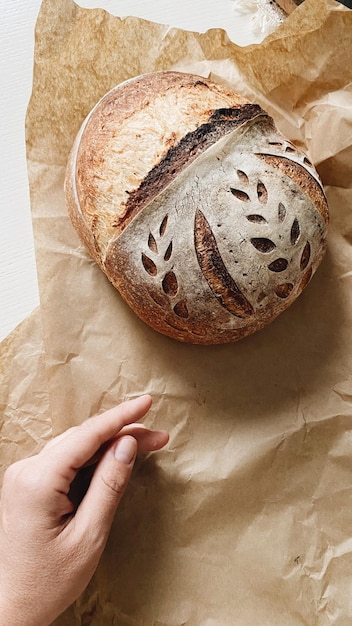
<point x="149" y="265"/>
<point x="215" y="272"/>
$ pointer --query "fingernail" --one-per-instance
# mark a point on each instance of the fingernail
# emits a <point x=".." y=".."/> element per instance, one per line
<point x="125" y="450"/>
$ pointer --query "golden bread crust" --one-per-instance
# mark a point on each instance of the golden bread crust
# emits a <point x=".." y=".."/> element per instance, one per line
<point x="204" y="217"/>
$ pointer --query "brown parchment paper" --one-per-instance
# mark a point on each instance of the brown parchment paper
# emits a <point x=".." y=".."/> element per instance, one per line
<point x="25" y="423"/>
<point x="246" y="518"/>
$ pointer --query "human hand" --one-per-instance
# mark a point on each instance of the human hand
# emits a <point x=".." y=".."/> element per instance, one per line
<point x="51" y="539"/>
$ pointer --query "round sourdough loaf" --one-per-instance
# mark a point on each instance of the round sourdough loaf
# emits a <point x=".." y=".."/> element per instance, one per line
<point x="203" y="216"/>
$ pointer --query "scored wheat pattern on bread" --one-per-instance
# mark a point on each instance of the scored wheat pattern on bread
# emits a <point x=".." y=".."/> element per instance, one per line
<point x="161" y="252"/>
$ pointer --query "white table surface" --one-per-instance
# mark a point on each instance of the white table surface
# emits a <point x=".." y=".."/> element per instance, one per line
<point x="18" y="278"/>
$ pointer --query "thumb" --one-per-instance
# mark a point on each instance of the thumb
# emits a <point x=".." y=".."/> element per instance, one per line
<point x="97" y="509"/>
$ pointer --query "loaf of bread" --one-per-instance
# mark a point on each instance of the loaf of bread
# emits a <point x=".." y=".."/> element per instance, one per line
<point x="203" y="216"/>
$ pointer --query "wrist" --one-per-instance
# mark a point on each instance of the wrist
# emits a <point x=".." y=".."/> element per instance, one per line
<point x="8" y="614"/>
<point x="15" y="613"/>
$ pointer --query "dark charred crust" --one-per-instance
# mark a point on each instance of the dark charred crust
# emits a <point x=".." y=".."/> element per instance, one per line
<point x="202" y="83"/>
<point x="221" y="122"/>
<point x="237" y="115"/>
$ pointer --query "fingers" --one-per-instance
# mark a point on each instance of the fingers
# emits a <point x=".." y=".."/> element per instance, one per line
<point x="70" y="431"/>
<point x="147" y="440"/>
<point x="47" y="481"/>
<point x="73" y="449"/>
<point x="96" y="511"/>
<point x="84" y="445"/>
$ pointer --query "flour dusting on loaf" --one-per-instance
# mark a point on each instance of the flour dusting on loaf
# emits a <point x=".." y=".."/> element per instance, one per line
<point x="203" y="216"/>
